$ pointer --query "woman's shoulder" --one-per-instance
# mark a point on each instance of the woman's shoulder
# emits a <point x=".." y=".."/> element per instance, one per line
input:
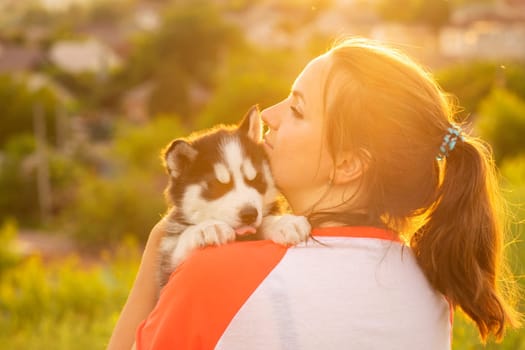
<point x="234" y="254"/>
<point x="205" y="292"/>
<point x="228" y="263"/>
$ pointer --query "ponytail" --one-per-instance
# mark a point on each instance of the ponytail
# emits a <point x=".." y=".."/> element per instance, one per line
<point x="379" y="100"/>
<point x="460" y="245"/>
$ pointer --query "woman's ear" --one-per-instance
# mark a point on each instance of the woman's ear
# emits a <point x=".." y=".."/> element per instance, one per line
<point x="350" y="167"/>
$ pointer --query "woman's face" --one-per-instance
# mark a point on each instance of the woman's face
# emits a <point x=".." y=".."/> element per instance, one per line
<point x="295" y="140"/>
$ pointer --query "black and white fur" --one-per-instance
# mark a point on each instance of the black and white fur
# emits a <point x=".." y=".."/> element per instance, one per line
<point x="220" y="184"/>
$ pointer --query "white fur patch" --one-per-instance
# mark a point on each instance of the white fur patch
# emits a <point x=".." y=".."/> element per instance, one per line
<point x="232" y="151"/>
<point x="221" y="173"/>
<point x="249" y="170"/>
<point x="286" y="229"/>
<point x="193" y="204"/>
<point x="202" y="234"/>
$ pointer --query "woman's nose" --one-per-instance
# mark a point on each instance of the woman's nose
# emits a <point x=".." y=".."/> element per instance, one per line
<point x="270" y="116"/>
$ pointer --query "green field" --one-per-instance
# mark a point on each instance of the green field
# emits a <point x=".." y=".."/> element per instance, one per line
<point x="66" y="305"/>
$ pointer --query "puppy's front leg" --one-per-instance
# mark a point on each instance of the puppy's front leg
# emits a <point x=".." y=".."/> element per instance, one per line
<point x="286" y="229"/>
<point x="210" y="232"/>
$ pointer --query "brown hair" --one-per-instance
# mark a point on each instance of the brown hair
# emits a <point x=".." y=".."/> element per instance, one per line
<point x="388" y="110"/>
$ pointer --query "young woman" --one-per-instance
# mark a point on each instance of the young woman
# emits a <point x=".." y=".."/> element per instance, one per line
<point x="405" y="211"/>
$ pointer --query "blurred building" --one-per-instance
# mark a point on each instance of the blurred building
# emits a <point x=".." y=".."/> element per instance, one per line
<point x="418" y="41"/>
<point x="15" y="58"/>
<point x="135" y="102"/>
<point x="486" y="31"/>
<point x="80" y="56"/>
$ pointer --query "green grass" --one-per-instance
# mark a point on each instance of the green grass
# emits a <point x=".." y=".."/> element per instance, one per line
<point x="66" y="305"/>
<point x="466" y="337"/>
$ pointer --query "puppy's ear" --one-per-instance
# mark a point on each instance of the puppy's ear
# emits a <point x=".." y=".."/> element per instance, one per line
<point x="251" y="125"/>
<point x="177" y="156"/>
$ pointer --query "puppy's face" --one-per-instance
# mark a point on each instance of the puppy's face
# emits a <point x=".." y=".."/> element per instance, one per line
<point x="223" y="175"/>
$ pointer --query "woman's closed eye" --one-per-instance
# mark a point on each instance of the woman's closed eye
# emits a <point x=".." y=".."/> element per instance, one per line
<point x="296" y="112"/>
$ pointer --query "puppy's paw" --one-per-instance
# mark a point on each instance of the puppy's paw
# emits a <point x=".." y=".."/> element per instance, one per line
<point x="286" y="229"/>
<point x="211" y="232"/>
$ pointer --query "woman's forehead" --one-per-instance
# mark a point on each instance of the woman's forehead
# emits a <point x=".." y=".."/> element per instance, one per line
<point x="310" y="81"/>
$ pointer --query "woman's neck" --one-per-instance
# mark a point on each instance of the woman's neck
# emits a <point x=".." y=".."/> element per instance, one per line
<point x="329" y="198"/>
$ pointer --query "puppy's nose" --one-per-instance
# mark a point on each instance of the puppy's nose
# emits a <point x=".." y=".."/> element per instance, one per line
<point x="248" y="215"/>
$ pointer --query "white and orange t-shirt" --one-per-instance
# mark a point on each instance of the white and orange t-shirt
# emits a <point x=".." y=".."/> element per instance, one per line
<point x="355" y="288"/>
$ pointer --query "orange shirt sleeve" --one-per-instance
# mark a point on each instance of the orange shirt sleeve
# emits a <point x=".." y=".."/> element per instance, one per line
<point x="204" y="293"/>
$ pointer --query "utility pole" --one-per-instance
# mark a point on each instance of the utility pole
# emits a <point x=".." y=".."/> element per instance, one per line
<point x="43" y="178"/>
<point x="61" y="125"/>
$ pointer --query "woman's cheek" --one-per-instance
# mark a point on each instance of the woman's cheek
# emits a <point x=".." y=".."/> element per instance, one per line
<point x="281" y="172"/>
<point x="287" y="175"/>
<point x="278" y="171"/>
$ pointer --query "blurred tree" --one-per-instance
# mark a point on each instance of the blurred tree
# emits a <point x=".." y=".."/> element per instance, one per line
<point x="18" y="102"/>
<point x="106" y="11"/>
<point x="9" y="257"/>
<point x="251" y="77"/>
<point x="501" y="121"/>
<point x="93" y="93"/>
<point x="434" y="13"/>
<point x="185" y="53"/>
<point x="399" y="10"/>
<point x="36" y="14"/>
<point x="471" y="82"/>
<point x="512" y="77"/>
<point x="127" y="197"/>
<point x="513" y="169"/>
<point x="17" y="181"/>
<point x="139" y="147"/>
<point x="105" y="210"/>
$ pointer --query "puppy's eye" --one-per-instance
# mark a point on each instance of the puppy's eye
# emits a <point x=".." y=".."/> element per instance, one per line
<point x="257" y="182"/>
<point x="216" y="189"/>
<point x="218" y="185"/>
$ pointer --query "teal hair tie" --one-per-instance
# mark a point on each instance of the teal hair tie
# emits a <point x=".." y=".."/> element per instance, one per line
<point x="449" y="141"/>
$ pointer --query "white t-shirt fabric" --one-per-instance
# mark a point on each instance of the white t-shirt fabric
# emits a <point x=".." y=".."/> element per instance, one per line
<point x="347" y="288"/>
<point x="351" y="293"/>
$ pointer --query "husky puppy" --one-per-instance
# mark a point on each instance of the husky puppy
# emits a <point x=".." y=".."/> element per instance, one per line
<point x="220" y="187"/>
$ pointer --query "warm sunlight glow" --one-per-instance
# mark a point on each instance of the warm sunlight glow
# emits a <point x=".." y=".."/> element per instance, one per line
<point x="61" y="4"/>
